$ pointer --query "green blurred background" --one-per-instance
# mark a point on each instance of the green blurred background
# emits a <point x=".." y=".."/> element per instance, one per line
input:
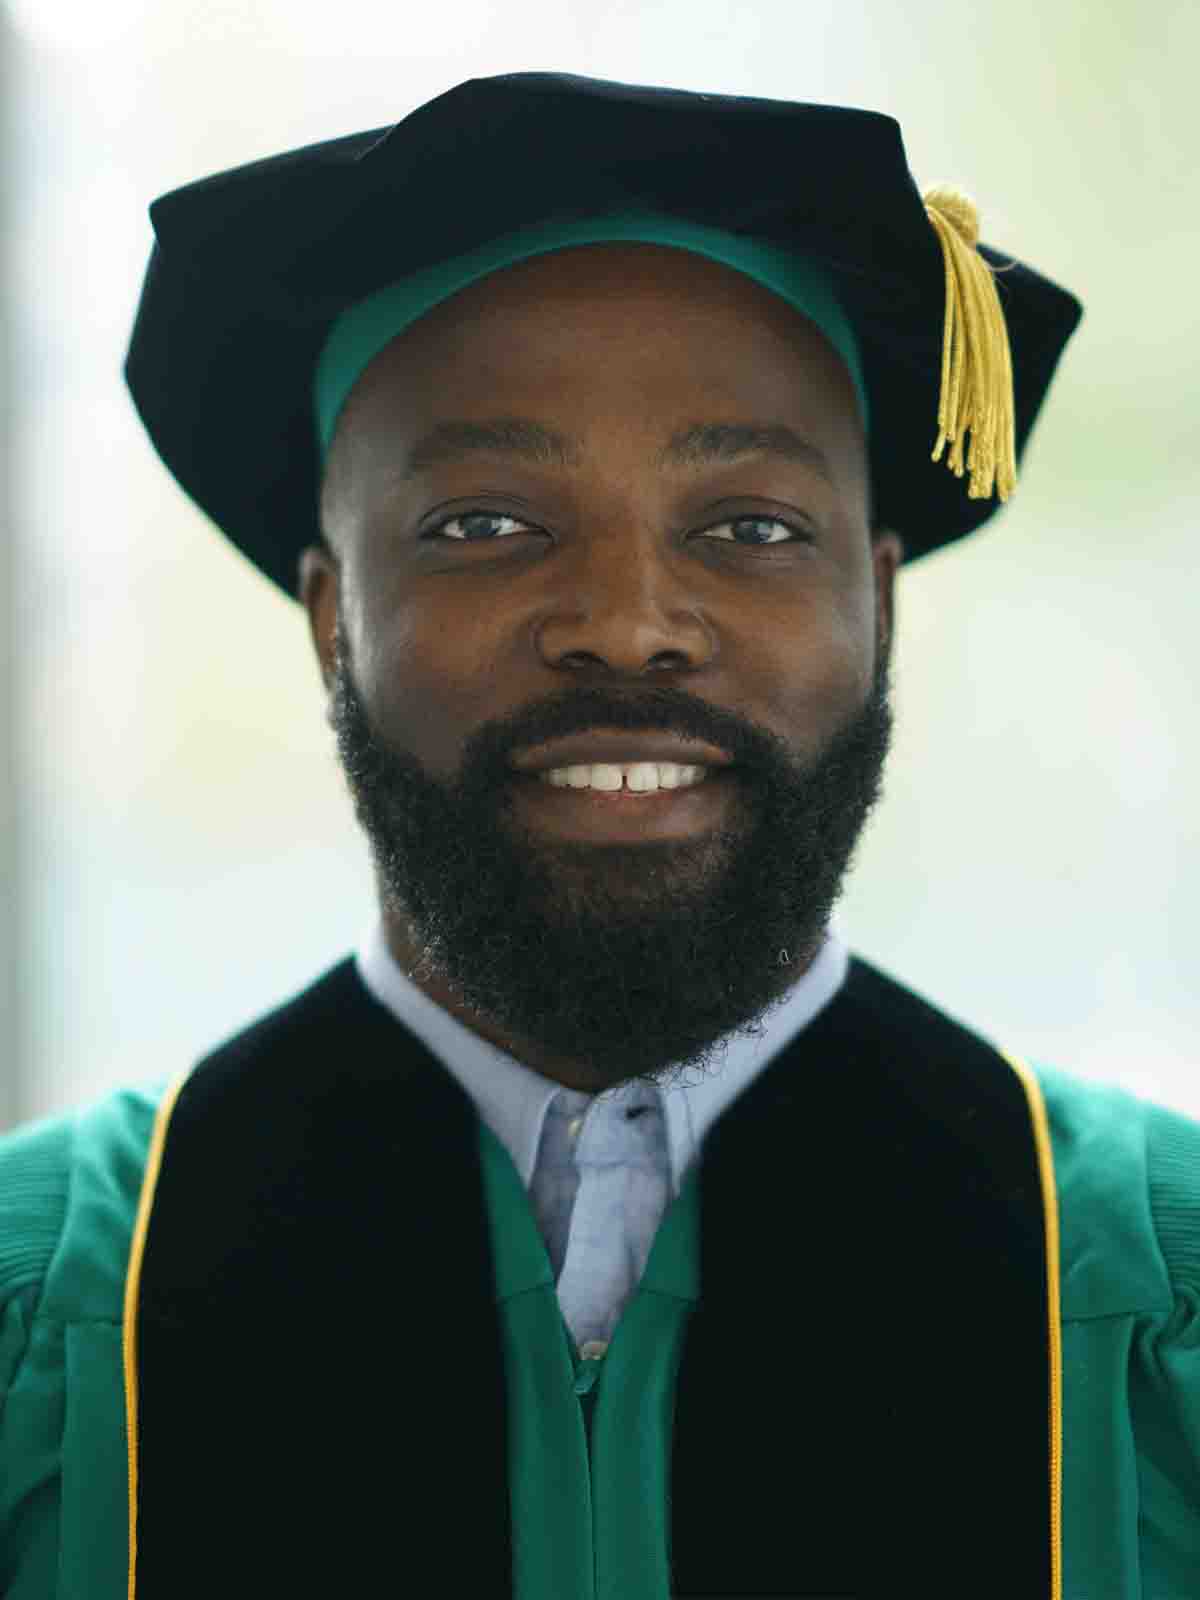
<point x="179" y="852"/>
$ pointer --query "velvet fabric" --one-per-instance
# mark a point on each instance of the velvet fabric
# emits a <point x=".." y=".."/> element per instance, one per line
<point x="251" y="267"/>
<point x="874" y="1420"/>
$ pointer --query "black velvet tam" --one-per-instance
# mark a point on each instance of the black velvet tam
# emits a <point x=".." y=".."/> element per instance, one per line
<point x="250" y="268"/>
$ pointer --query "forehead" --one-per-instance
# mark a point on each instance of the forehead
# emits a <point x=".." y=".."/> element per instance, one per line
<point x="615" y="271"/>
<point x="636" y="337"/>
<point x="645" y="292"/>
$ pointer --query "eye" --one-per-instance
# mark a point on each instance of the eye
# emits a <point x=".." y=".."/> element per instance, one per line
<point x="796" y="534"/>
<point x="463" y="518"/>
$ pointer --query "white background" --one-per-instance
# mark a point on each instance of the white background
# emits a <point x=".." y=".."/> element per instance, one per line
<point x="188" y="853"/>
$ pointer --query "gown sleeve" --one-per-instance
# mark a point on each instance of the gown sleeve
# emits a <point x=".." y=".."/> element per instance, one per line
<point x="1165" y="1375"/>
<point x="34" y="1179"/>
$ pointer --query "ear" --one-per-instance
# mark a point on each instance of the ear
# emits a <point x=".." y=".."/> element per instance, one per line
<point x="319" y="586"/>
<point x="887" y="552"/>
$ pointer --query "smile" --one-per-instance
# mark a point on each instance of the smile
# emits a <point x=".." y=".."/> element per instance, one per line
<point x="625" y="815"/>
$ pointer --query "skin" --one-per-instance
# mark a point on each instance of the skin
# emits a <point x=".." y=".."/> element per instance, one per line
<point x="608" y="593"/>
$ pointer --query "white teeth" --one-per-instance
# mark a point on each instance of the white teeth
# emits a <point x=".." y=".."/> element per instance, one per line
<point x="635" y="775"/>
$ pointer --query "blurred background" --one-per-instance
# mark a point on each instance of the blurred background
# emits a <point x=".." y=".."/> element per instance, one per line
<point x="179" y="850"/>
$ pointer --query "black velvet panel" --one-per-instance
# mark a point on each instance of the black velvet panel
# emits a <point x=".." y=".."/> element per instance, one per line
<point x="863" y="1398"/>
<point x="306" y="1428"/>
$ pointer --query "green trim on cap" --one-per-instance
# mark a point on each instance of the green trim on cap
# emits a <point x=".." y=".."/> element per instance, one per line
<point x="361" y="331"/>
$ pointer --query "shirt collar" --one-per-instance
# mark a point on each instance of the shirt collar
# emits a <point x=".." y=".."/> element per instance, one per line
<point x="514" y="1099"/>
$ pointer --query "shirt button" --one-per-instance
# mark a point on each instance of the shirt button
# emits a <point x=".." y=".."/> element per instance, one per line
<point x="574" y="1126"/>
<point x="593" y="1349"/>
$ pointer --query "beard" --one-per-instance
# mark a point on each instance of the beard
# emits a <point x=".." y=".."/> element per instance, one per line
<point x="620" y="961"/>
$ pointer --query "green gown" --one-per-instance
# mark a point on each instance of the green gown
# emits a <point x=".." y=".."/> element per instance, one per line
<point x="307" y="1364"/>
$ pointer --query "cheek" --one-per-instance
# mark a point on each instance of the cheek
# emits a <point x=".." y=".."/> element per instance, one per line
<point x="816" y="661"/>
<point x="435" y="682"/>
<point x="848" y="634"/>
<point x="857" y="618"/>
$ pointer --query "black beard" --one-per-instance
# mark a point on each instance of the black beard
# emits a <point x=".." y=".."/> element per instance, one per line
<point x="629" y="961"/>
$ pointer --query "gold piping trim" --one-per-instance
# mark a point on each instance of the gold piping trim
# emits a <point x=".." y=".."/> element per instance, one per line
<point x="133" y="1278"/>
<point x="1045" y="1153"/>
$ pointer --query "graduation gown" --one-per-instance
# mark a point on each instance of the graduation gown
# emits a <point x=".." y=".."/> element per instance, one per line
<point x="954" y="1350"/>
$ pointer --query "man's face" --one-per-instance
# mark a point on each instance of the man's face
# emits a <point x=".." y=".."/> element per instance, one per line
<point x="736" y="601"/>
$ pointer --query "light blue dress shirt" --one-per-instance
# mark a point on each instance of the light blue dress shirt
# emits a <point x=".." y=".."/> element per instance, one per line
<point x="600" y="1169"/>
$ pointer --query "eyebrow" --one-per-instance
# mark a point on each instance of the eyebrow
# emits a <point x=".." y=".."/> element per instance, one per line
<point x="700" y="444"/>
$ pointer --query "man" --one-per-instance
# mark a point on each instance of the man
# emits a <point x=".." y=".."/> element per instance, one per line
<point x="604" y="1227"/>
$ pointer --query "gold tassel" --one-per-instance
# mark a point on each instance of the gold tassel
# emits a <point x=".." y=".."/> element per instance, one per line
<point x="977" y="381"/>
